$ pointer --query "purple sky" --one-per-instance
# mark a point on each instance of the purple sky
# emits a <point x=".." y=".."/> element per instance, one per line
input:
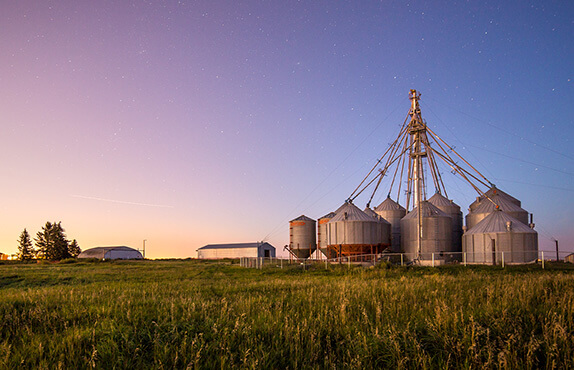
<point x="188" y="123"/>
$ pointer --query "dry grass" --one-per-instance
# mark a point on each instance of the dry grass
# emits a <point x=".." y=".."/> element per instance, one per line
<point x="166" y="314"/>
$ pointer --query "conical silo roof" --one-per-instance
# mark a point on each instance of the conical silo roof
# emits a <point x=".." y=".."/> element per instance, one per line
<point x="350" y="212"/>
<point x="302" y="218"/>
<point x="389" y="205"/>
<point x="443" y="202"/>
<point x="375" y="215"/>
<point x="494" y="191"/>
<point x="496" y="222"/>
<point x="370" y="212"/>
<point x="503" y="202"/>
<point x="328" y="215"/>
<point x="428" y="210"/>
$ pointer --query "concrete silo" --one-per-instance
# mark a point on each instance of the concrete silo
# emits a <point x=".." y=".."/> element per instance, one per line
<point x="500" y="236"/>
<point x="436" y="232"/>
<point x="302" y="237"/>
<point x="353" y="232"/>
<point x="453" y="210"/>
<point x="393" y="213"/>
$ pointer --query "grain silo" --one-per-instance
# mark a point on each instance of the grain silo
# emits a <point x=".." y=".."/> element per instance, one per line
<point x="499" y="237"/>
<point x="353" y="232"/>
<point x="436" y="232"/>
<point x="322" y="235"/>
<point x="385" y="225"/>
<point x="393" y="213"/>
<point x="453" y="210"/>
<point x="302" y="237"/>
<point x="496" y="201"/>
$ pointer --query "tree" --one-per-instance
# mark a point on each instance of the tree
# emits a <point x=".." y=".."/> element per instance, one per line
<point x="52" y="244"/>
<point x="44" y="243"/>
<point x="74" y="249"/>
<point x="25" y="248"/>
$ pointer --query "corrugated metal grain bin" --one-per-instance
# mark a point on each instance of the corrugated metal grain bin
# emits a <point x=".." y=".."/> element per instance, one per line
<point x="322" y="235"/>
<point x="392" y="212"/>
<point x="499" y="232"/>
<point x="353" y="232"/>
<point x="436" y="232"/>
<point x="453" y="210"/>
<point x="385" y="226"/>
<point x="302" y="236"/>
<point x="486" y="207"/>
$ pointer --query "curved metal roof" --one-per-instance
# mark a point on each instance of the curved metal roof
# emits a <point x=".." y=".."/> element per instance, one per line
<point x="496" y="223"/>
<point x="101" y="252"/>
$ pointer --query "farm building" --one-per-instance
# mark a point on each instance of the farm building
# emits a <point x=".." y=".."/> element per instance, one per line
<point x="112" y="253"/>
<point x="237" y="250"/>
<point x="569" y="258"/>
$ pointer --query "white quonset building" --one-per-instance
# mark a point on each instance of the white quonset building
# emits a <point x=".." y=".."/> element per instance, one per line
<point x="112" y="253"/>
<point x="237" y="250"/>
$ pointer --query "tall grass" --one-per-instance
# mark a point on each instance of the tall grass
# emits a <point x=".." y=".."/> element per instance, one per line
<point x="179" y="314"/>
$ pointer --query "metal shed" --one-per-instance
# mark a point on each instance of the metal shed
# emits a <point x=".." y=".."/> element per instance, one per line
<point x="236" y="250"/>
<point x="112" y="253"/>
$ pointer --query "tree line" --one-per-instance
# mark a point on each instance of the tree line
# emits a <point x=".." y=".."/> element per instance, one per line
<point x="50" y="243"/>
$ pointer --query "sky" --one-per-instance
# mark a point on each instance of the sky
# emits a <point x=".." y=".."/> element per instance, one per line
<point x="188" y="123"/>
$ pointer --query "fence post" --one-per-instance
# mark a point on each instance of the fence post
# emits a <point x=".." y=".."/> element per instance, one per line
<point x="502" y="259"/>
<point x="543" y="260"/>
<point x="432" y="254"/>
<point x="464" y="258"/>
<point x="401" y="259"/>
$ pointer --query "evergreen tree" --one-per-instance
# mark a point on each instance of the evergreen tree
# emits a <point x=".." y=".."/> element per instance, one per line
<point x="52" y="244"/>
<point x="25" y="249"/>
<point x="74" y="249"/>
<point x="44" y="243"/>
<point x="61" y="244"/>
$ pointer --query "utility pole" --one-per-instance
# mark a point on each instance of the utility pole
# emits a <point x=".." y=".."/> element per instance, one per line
<point x="557" y="253"/>
<point x="144" y="248"/>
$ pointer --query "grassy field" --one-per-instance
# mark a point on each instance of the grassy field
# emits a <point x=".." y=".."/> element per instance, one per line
<point x="179" y="314"/>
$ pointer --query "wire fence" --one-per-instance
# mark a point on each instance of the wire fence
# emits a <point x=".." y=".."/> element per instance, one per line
<point x="498" y="258"/>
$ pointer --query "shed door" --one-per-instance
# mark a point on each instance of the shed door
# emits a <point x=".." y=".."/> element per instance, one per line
<point x="267" y="253"/>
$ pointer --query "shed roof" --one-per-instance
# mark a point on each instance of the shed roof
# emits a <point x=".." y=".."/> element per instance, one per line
<point x="236" y="246"/>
